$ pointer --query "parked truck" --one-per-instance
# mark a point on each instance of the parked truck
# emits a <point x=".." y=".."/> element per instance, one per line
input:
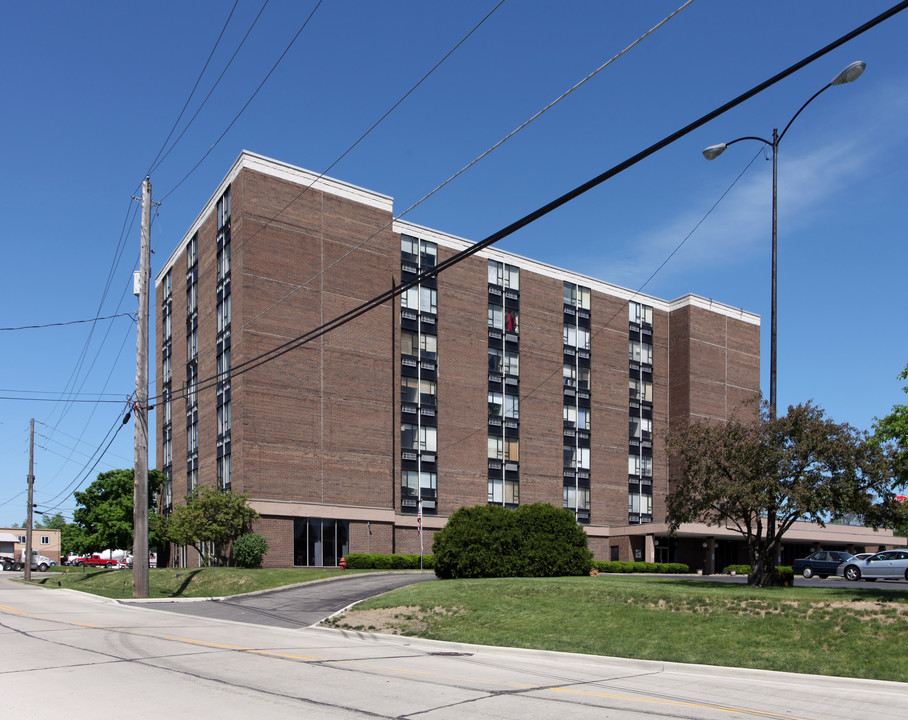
<point x="39" y="562"/>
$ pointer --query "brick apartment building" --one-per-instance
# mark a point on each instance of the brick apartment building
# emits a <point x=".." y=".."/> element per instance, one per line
<point x="501" y="380"/>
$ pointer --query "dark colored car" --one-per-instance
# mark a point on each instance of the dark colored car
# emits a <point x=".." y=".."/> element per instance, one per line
<point x="822" y="563"/>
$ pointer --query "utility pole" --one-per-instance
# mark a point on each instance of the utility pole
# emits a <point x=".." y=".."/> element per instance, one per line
<point x="31" y="499"/>
<point x="140" y="412"/>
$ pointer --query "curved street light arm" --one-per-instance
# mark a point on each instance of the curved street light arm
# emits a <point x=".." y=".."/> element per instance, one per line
<point x="812" y="98"/>
<point x="752" y="137"/>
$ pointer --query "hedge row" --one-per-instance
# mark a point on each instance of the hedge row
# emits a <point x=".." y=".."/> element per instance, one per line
<point x="374" y="561"/>
<point x="745" y="569"/>
<point x="640" y="567"/>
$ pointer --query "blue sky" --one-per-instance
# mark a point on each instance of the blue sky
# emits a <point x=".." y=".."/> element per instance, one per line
<point x="91" y="90"/>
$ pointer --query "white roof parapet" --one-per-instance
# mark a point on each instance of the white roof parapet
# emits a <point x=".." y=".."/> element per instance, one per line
<point x="457" y="243"/>
<point x="283" y="171"/>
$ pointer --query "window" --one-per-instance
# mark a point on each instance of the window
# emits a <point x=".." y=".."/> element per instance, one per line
<point x="640" y="352"/>
<point x="428" y="300"/>
<point x="223" y="467"/>
<point x="641" y="428"/>
<point x="415" y="437"/>
<point x="192" y="379"/>
<point x="410" y="298"/>
<point x="223" y="209"/>
<point x="640" y="389"/>
<point x="575" y="457"/>
<point x="223" y="261"/>
<point x="511" y="364"/>
<point x="496" y="447"/>
<point x="496" y="317"/>
<point x="409" y="245"/>
<point x="640" y="314"/>
<point x="192" y="343"/>
<point x="576" y="296"/>
<point x="638" y="503"/>
<point x="496" y="487"/>
<point x="570" y="415"/>
<point x="166" y="320"/>
<point x="512" y="449"/>
<point x="223" y="365"/>
<point x="45" y="540"/>
<point x="224" y="419"/>
<point x="168" y="284"/>
<point x="168" y="452"/>
<point x="640" y="465"/>
<point x="409" y="483"/>
<point x="495" y="360"/>
<point x="576" y="498"/>
<point x="420" y="298"/>
<point x="496" y="404"/>
<point x="511" y="406"/>
<point x="505" y="275"/>
<point x="223" y="311"/>
<point x="583" y="418"/>
<point x="511" y="321"/>
<point x="409" y="437"/>
<point x="418" y="344"/>
<point x="570" y="376"/>
<point x="167" y="369"/>
<point x="192" y="296"/>
<point x="409" y="389"/>
<point x="192" y="254"/>
<point x="511" y="492"/>
<point x="578" y="337"/>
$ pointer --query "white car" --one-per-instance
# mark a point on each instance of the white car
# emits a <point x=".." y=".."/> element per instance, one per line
<point x="886" y="565"/>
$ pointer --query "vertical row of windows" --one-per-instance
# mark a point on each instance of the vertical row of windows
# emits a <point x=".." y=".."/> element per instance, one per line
<point x="419" y="376"/>
<point x="222" y="341"/>
<point x="504" y="384"/>
<point x="640" y="414"/>
<point x="576" y="412"/>
<point x="167" y="389"/>
<point x="192" y="364"/>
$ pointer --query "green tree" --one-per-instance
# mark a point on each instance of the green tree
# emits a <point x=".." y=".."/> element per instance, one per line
<point x="105" y="512"/>
<point x="211" y="516"/>
<point x="893" y="430"/>
<point x="52" y="522"/>
<point x="759" y="477"/>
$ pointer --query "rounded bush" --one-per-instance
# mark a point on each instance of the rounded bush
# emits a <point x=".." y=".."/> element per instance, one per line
<point x="249" y="550"/>
<point x="537" y="540"/>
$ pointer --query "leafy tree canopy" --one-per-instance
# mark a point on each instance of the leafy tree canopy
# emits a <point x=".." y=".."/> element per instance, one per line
<point x="893" y="430"/>
<point x="761" y="476"/>
<point x="105" y="512"/>
<point x="211" y="516"/>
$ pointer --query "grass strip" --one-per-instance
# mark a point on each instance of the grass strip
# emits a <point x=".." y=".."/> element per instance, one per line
<point x="858" y="633"/>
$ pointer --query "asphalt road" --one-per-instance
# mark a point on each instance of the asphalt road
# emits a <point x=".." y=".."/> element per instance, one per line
<point x="69" y="654"/>
<point x="293" y="607"/>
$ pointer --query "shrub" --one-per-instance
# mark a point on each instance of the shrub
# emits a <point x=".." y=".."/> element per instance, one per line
<point x="640" y="567"/>
<point x="538" y="540"/>
<point x="745" y="569"/>
<point x="375" y="561"/>
<point x="249" y="549"/>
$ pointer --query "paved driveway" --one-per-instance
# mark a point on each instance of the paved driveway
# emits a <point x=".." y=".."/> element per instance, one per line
<point x="292" y="607"/>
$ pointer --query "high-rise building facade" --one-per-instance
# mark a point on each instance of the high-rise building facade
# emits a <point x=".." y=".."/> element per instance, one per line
<point x="500" y="380"/>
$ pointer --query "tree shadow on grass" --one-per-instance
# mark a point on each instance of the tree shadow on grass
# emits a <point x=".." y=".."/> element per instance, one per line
<point x="186" y="580"/>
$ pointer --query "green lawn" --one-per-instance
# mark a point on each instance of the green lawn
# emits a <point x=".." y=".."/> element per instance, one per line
<point x="857" y="633"/>
<point x="849" y="632"/>
<point x="183" y="582"/>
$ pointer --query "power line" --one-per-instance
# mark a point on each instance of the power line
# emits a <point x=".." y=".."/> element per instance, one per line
<point x="70" y="322"/>
<point x="361" y="309"/>
<point x="248" y="102"/>
<point x="154" y="163"/>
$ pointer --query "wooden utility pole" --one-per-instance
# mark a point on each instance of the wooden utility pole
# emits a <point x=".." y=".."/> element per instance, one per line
<point x="140" y="411"/>
<point x="31" y="500"/>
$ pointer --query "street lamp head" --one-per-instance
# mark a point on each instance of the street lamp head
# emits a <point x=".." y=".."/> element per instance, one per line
<point x="714" y="151"/>
<point x="850" y="74"/>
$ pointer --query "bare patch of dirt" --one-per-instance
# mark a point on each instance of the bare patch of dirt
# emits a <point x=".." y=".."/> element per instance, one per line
<point x="404" y="620"/>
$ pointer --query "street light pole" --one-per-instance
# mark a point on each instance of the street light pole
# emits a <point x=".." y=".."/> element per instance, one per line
<point x="849" y="74"/>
